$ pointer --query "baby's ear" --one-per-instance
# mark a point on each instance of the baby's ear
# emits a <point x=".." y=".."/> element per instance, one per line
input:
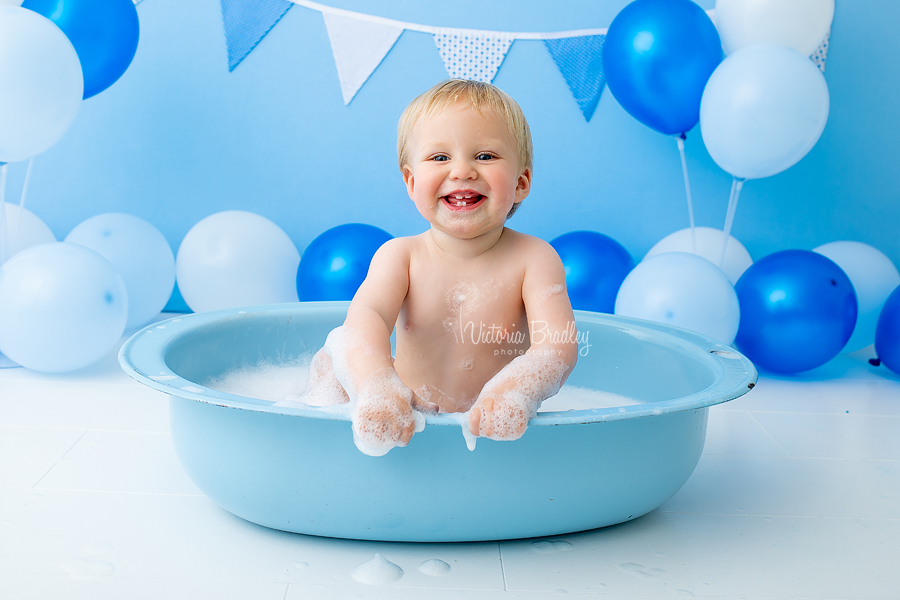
<point x="408" y="179"/>
<point x="523" y="185"/>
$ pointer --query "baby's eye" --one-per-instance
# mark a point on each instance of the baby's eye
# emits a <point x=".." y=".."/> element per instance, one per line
<point x="440" y="157"/>
<point x="485" y="156"/>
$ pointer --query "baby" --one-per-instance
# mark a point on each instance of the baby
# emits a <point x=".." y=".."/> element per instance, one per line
<point x="483" y="320"/>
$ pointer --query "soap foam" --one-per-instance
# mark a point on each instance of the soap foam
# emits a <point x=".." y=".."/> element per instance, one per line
<point x="283" y="383"/>
<point x="523" y="384"/>
<point x="266" y="380"/>
<point x="378" y="571"/>
<point x="381" y="400"/>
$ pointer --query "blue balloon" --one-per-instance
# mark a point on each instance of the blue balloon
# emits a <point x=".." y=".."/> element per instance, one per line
<point x="335" y="264"/>
<point x="103" y="32"/>
<point x="595" y="267"/>
<point x="798" y="309"/>
<point x="657" y="58"/>
<point x="887" y="334"/>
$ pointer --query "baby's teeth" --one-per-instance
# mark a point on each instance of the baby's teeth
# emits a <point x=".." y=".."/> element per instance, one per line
<point x="460" y="203"/>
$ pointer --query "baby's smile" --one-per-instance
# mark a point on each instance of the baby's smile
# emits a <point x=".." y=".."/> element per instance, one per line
<point x="459" y="200"/>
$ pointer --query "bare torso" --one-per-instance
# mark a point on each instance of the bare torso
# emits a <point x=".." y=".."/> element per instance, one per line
<point x="462" y="320"/>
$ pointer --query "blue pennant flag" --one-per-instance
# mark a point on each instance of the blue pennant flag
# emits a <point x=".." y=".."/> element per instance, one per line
<point x="247" y="22"/>
<point x="580" y="60"/>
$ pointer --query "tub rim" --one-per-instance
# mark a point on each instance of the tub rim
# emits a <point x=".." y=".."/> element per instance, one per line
<point x="144" y="353"/>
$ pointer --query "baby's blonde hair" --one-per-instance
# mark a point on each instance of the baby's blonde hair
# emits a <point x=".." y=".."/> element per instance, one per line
<point x="481" y="97"/>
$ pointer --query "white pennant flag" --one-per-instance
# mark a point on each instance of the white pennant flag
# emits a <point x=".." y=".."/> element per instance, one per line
<point x="358" y="47"/>
<point x="475" y="55"/>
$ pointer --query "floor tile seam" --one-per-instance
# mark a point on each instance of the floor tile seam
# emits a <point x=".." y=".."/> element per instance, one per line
<point x="119" y="492"/>
<point x="768" y="433"/>
<point x="74" y="382"/>
<point x="502" y="565"/>
<point x="400" y="586"/>
<point x="86" y="429"/>
<point x="57" y="461"/>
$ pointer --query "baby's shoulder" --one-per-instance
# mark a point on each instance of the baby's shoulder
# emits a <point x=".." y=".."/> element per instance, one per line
<point x="528" y="246"/>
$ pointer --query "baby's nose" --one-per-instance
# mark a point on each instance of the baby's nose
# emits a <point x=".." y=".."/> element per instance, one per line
<point x="463" y="170"/>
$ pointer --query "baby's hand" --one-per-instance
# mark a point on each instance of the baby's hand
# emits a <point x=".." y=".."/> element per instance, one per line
<point x="322" y="387"/>
<point x="383" y="415"/>
<point x="512" y="397"/>
<point x="501" y="414"/>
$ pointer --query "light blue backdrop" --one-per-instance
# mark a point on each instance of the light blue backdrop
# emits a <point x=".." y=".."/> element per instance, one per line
<point x="179" y="137"/>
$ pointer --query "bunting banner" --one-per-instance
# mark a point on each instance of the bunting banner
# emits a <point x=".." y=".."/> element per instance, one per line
<point x="580" y="60"/>
<point x="247" y="22"/>
<point x="469" y="54"/>
<point x="358" y="48"/>
<point x="360" y="42"/>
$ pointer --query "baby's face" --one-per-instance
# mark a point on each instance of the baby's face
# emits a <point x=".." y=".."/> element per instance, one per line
<point x="464" y="174"/>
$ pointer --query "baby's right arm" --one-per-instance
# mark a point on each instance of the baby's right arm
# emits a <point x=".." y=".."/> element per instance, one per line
<point x="382" y="412"/>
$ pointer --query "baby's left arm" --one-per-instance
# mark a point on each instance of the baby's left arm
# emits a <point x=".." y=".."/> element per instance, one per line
<point x="513" y="395"/>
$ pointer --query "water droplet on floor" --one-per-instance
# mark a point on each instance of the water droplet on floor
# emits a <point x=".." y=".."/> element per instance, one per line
<point x="547" y="546"/>
<point x="632" y="567"/>
<point x="561" y="591"/>
<point x="434" y="567"/>
<point x="97" y="549"/>
<point x="685" y="594"/>
<point x="83" y="569"/>
<point x="301" y="565"/>
<point x="378" y="571"/>
<point x="640" y="571"/>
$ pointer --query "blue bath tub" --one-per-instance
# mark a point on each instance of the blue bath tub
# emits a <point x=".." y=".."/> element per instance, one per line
<point x="297" y="469"/>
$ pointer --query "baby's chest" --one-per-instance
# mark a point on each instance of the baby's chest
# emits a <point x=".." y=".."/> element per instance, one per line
<point x="465" y="304"/>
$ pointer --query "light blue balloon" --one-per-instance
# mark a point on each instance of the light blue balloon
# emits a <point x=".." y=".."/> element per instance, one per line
<point x="763" y="110"/>
<point x="681" y="289"/>
<point x="40" y="84"/>
<point x="873" y="276"/>
<point x="140" y="255"/>
<point x="62" y="307"/>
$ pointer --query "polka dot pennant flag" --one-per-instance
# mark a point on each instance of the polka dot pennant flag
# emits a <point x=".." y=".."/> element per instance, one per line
<point x="472" y="54"/>
<point x="580" y="61"/>
<point x="821" y="53"/>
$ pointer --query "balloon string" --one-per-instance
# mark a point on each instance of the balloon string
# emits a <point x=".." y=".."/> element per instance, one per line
<point x="15" y="234"/>
<point x="3" y="231"/>
<point x="687" y="189"/>
<point x="736" y="185"/>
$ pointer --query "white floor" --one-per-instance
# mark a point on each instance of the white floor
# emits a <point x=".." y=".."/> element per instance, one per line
<point x="797" y="495"/>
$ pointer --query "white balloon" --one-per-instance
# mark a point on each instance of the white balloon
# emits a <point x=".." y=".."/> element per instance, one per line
<point x="873" y="276"/>
<point x="25" y="230"/>
<point x="41" y="84"/>
<point x="236" y="258"/>
<point x="709" y="246"/>
<point x="763" y="109"/>
<point x="62" y="307"/>
<point x="684" y="290"/>
<point x="141" y="256"/>
<point x="11" y="2"/>
<point x="798" y="24"/>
